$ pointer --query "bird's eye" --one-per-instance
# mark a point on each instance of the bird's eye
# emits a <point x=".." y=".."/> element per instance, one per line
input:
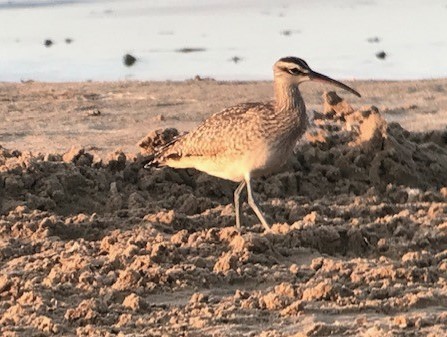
<point x="294" y="71"/>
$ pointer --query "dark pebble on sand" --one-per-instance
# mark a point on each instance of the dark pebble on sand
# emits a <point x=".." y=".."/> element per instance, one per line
<point x="129" y="60"/>
<point x="374" y="39"/>
<point x="190" y="50"/>
<point x="381" y="55"/>
<point x="94" y="112"/>
<point x="236" y="59"/>
<point x="48" y="43"/>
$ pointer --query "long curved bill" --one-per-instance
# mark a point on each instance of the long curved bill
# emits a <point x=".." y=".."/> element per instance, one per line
<point x="314" y="76"/>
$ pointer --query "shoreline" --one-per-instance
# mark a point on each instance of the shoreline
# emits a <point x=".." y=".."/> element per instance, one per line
<point x="205" y="78"/>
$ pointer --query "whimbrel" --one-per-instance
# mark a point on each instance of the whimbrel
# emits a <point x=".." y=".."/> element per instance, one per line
<point x="250" y="139"/>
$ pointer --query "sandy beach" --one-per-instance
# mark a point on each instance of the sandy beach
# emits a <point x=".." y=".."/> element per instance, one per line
<point x="108" y="116"/>
<point x="94" y="245"/>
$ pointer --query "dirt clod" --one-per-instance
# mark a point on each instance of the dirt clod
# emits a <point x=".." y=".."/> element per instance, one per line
<point x="156" y="139"/>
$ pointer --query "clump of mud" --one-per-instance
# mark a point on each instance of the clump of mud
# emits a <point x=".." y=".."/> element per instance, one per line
<point x="104" y="247"/>
<point x="156" y="139"/>
<point x="352" y="150"/>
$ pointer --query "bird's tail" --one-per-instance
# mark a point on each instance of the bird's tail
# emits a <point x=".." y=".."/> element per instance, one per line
<point x="150" y="163"/>
<point x="153" y="162"/>
<point x="164" y="152"/>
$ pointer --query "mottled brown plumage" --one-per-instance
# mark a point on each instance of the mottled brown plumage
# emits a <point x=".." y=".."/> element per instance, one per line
<point x="250" y="139"/>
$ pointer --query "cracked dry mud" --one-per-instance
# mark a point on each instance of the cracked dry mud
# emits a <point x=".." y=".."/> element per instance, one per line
<point x="102" y="247"/>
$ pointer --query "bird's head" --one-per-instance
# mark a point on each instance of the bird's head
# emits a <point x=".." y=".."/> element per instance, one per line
<point x="296" y="70"/>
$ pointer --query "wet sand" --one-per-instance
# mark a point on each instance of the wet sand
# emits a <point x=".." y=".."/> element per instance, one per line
<point x="174" y="40"/>
<point x="93" y="245"/>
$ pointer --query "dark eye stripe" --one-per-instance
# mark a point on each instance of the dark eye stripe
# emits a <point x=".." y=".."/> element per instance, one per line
<point x="294" y="71"/>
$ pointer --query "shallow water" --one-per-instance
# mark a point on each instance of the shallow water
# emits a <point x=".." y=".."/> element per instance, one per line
<point x="331" y="35"/>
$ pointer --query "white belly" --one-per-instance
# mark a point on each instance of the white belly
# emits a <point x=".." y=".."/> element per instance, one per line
<point x="255" y="163"/>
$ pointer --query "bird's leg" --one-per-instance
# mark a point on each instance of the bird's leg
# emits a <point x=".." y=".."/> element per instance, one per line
<point x="237" y="194"/>
<point x="252" y="203"/>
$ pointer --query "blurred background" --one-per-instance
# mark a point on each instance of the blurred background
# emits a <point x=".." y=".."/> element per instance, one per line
<point x="76" y="40"/>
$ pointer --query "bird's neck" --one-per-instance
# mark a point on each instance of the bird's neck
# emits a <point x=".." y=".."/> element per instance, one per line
<point x="288" y="98"/>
